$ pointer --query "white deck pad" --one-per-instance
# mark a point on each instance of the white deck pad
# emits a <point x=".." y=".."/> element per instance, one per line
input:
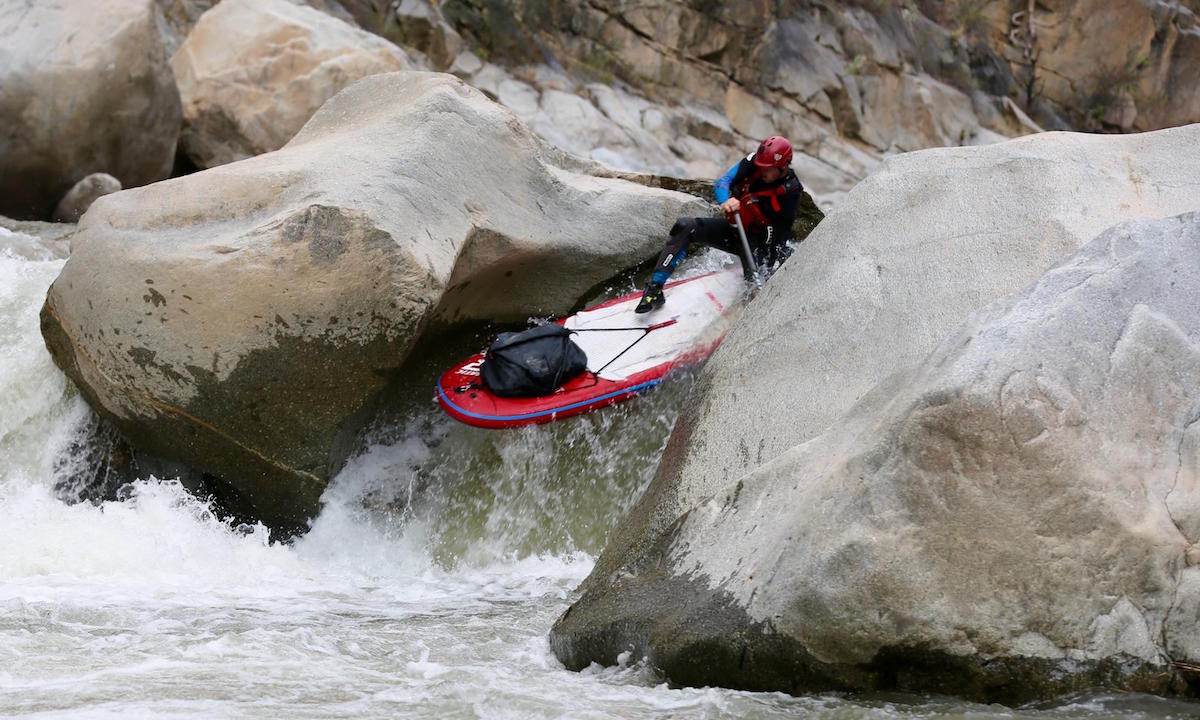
<point x="695" y="305"/>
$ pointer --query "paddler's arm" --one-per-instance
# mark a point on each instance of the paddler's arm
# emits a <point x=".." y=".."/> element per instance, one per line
<point x="721" y="188"/>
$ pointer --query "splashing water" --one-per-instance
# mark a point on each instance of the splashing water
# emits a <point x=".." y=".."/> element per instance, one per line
<point x="425" y="588"/>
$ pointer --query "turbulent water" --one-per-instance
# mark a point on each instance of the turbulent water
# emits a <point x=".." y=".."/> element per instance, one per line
<point x="425" y="589"/>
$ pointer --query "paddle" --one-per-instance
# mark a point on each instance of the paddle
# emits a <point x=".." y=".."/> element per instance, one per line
<point x="751" y="267"/>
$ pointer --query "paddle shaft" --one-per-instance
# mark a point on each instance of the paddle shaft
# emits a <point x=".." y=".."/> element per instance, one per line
<point x="747" y="256"/>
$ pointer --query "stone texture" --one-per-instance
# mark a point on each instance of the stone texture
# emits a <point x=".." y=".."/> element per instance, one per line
<point x="627" y="132"/>
<point x="807" y="71"/>
<point x="1007" y="521"/>
<point x="907" y="112"/>
<point x="1090" y="42"/>
<point x="846" y="82"/>
<point x="419" y="24"/>
<point x="1170" y="87"/>
<point x="84" y="88"/>
<point x="1111" y="66"/>
<point x="794" y="61"/>
<point x="251" y="73"/>
<point x="241" y="319"/>
<point x="79" y="198"/>
<point x="903" y="260"/>
<point x="180" y="16"/>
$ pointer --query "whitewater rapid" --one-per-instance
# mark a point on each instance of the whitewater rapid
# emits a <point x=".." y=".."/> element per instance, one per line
<point x="425" y="588"/>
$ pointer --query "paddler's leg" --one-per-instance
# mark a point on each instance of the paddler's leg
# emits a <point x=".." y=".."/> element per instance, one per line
<point x="673" y="252"/>
<point x="718" y="233"/>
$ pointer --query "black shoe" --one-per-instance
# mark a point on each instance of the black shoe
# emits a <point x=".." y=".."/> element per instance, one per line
<point x="652" y="299"/>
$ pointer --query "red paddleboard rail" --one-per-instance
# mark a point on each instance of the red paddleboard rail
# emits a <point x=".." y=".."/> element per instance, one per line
<point x="587" y="391"/>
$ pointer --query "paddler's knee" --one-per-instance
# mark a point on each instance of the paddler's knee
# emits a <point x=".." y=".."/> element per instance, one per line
<point x="683" y="226"/>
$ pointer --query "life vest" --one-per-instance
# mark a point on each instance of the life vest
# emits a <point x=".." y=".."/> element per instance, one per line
<point x="752" y="203"/>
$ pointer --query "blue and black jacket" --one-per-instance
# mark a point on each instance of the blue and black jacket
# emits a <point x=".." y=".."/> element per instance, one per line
<point x="778" y="202"/>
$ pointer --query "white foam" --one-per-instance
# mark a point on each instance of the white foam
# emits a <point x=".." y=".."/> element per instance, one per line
<point x="22" y="246"/>
<point x="39" y="411"/>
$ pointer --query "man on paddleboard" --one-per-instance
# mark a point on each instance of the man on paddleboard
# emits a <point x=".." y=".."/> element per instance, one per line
<point x="764" y="192"/>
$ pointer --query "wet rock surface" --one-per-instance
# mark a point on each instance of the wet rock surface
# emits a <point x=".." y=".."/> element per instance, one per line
<point x="240" y="320"/>
<point x="912" y="252"/>
<point x="1009" y="520"/>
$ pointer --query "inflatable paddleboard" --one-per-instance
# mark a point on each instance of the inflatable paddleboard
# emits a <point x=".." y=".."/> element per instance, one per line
<point x="627" y="354"/>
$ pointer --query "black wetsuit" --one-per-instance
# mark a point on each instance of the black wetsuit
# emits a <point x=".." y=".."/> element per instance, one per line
<point x="776" y="205"/>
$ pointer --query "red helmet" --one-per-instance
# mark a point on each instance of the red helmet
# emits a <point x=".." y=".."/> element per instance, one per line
<point x="775" y="151"/>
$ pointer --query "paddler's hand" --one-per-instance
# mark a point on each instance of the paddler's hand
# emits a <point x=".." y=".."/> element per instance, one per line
<point x="731" y="205"/>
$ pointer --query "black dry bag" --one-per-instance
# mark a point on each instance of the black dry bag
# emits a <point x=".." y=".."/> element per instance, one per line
<point x="533" y="362"/>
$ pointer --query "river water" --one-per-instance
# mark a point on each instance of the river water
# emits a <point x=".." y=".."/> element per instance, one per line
<point x="425" y="589"/>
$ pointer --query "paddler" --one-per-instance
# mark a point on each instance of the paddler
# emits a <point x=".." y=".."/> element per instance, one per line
<point x="764" y="192"/>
